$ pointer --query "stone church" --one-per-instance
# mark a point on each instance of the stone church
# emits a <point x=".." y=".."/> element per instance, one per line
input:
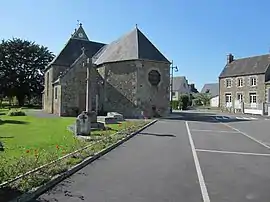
<point x="129" y="76"/>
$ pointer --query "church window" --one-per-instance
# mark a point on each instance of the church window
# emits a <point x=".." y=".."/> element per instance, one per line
<point x="154" y="77"/>
<point x="47" y="84"/>
<point x="55" y="93"/>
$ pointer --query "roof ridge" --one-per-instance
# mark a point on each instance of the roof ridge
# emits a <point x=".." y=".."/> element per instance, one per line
<point x="254" y="56"/>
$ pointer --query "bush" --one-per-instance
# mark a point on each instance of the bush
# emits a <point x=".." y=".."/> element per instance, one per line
<point x="184" y="101"/>
<point x="175" y="104"/>
<point x="16" y="112"/>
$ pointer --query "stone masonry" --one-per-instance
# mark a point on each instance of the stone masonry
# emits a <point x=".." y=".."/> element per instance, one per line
<point x="245" y="89"/>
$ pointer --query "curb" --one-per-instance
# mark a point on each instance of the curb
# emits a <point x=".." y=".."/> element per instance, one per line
<point x="58" y="178"/>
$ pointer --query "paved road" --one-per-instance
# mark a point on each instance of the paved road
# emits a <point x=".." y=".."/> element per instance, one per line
<point x="188" y="158"/>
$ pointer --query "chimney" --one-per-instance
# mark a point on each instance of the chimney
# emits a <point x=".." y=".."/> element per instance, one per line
<point x="229" y="58"/>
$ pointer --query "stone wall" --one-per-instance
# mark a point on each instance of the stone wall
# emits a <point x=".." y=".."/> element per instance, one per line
<point x="128" y="91"/>
<point x="245" y="89"/>
<point x="57" y="99"/>
<point x="73" y="87"/>
<point x="149" y="95"/>
<point x="48" y="91"/>
<point x="119" y="90"/>
<point x="50" y="76"/>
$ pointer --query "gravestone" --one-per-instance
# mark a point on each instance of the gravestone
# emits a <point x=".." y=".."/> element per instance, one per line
<point x="116" y="115"/>
<point x="110" y="120"/>
<point x="83" y="124"/>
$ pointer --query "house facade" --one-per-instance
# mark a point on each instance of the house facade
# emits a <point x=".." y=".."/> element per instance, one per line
<point x="244" y="81"/>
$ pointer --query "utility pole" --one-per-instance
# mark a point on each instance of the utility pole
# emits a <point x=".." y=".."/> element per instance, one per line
<point x="173" y="68"/>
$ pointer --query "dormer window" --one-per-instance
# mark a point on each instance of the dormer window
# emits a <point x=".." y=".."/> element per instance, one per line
<point x="253" y="81"/>
<point x="228" y="83"/>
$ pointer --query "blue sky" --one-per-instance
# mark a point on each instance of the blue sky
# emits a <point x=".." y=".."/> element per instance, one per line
<point x="196" y="34"/>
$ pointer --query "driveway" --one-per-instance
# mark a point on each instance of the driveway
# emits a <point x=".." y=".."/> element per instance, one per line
<point x="189" y="157"/>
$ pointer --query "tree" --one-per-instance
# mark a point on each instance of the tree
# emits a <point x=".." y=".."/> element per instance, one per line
<point x="183" y="101"/>
<point x="22" y="65"/>
<point x="204" y="98"/>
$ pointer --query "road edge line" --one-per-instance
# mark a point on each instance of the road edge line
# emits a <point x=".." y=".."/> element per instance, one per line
<point x="204" y="191"/>
<point x="58" y="178"/>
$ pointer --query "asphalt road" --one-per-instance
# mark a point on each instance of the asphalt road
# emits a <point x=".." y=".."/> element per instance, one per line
<point x="191" y="157"/>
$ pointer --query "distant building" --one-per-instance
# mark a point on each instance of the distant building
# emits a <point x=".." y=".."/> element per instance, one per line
<point x="180" y="87"/>
<point x="213" y="90"/>
<point x="245" y="80"/>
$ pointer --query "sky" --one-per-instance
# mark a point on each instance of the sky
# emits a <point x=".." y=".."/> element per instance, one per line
<point x="195" y="34"/>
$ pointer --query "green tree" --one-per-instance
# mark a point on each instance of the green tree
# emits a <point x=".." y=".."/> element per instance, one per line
<point x="204" y="98"/>
<point x="184" y="101"/>
<point x="22" y="65"/>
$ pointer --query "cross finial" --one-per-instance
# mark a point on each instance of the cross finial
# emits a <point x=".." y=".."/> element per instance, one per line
<point x="83" y="49"/>
<point x="79" y="23"/>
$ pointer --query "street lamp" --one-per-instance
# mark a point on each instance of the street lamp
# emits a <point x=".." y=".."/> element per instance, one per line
<point x="173" y="69"/>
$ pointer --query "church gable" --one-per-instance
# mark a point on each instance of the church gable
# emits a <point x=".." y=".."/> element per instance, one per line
<point x="72" y="49"/>
<point x="80" y="34"/>
<point x="132" y="46"/>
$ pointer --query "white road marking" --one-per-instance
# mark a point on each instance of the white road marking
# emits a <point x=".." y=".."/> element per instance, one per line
<point x="198" y="167"/>
<point x="231" y="152"/>
<point x="214" y="131"/>
<point x="248" y="136"/>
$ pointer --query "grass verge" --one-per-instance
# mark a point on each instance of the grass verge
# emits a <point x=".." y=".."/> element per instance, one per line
<point x="30" y="142"/>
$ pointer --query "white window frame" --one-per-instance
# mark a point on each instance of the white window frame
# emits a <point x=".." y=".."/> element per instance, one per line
<point x="229" y="103"/>
<point x="241" y="97"/>
<point x="253" y="96"/>
<point x="227" y="81"/>
<point x="240" y="81"/>
<point x="253" y="81"/>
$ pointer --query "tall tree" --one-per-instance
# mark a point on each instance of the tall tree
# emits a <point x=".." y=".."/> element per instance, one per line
<point x="22" y="65"/>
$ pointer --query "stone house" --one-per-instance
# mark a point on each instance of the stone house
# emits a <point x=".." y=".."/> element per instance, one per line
<point x="245" y="81"/>
<point x="129" y="76"/>
<point x="180" y="87"/>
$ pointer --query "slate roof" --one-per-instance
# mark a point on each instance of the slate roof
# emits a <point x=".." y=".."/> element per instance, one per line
<point x="178" y="82"/>
<point x="213" y="89"/>
<point x="73" y="49"/>
<point x="131" y="46"/>
<point x="246" y="66"/>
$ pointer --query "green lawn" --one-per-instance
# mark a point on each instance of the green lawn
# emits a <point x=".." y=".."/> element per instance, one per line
<point x="33" y="141"/>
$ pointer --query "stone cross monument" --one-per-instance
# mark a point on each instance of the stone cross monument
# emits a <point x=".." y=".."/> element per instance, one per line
<point x="88" y="90"/>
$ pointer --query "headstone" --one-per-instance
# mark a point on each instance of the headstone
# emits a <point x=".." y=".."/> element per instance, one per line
<point x="110" y="120"/>
<point x="116" y="115"/>
<point x="83" y="124"/>
<point x="92" y="116"/>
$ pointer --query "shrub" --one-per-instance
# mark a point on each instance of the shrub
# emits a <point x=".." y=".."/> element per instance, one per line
<point x="184" y="101"/>
<point x="16" y="112"/>
<point x="175" y="104"/>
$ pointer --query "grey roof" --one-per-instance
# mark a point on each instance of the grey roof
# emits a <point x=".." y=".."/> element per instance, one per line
<point x="212" y="88"/>
<point x="80" y="34"/>
<point x="246" y="66"/>
<point x="131" y="46"/>
<point x="73" y="49"/>
<point x="178" y="82"/>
